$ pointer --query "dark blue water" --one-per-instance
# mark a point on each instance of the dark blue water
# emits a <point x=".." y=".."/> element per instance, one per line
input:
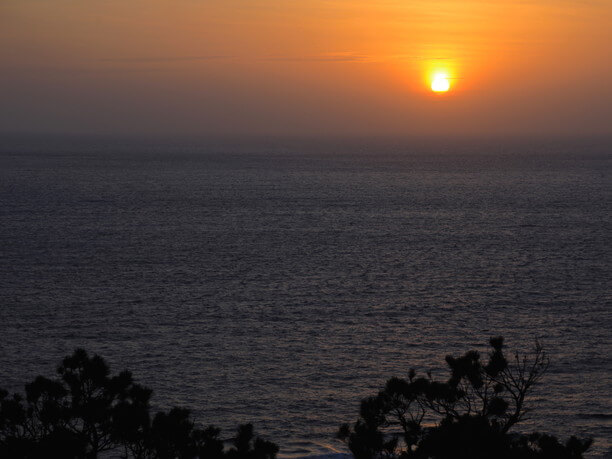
<point x="281" y="283"/>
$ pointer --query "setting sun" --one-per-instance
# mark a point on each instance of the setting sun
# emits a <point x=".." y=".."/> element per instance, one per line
<point x="440" y="83"/>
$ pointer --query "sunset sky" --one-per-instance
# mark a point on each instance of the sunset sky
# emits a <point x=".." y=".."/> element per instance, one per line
<point x="318" y="67"/>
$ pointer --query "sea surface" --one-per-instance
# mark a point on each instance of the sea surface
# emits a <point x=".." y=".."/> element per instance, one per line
<point x="279" y="282"/>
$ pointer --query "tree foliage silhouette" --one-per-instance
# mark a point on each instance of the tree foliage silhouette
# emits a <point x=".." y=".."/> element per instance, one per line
<point x="87" y="411"/>
<point x="471" y="413"/>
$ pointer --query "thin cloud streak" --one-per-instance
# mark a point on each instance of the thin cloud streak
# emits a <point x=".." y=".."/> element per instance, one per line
<point x="148" y="60"/>
<point x="349" y="57"/>
<point x="327" y="57"/>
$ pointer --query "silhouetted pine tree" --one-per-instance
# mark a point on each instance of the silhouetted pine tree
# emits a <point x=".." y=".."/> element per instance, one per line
<point x="475" y="410"/>
<point x="87" y="411"/>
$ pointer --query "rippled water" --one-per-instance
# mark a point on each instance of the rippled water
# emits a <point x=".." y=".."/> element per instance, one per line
<point x="282" y="283"/>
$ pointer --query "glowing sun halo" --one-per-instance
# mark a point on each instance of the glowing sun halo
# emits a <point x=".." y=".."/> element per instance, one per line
<point x="440" y="83"/>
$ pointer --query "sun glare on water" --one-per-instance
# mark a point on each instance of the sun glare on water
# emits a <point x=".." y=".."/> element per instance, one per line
<point x="440" y="83"/>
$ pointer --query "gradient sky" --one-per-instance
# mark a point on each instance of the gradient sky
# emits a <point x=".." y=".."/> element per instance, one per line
<point x="317" y="67"/>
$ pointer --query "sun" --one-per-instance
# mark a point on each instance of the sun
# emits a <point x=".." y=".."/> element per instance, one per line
<point x="440" y="83"/>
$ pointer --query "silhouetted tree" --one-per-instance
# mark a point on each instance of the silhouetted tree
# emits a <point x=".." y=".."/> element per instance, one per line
<point x="247" y="448"/>
<point x="97" y="401"/>
<point x="87" y="411"/>
<point x="478" y="405"/>
<point x="207" y="443"/>
<point x="131" y="425"/>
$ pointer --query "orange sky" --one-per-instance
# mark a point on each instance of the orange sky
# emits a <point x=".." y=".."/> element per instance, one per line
<point x="320" y="67"/>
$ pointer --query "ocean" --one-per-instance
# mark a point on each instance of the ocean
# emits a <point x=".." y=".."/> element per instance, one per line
<point x="280" y="281"/>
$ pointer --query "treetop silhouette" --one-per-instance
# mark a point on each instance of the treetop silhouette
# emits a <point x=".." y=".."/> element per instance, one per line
<point x="468" y="416"/>
<point x="87" y="411"/>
